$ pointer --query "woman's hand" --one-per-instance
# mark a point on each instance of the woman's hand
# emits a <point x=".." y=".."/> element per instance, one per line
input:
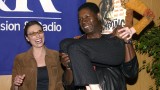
<point x="125" y="33"/>
<point x="18" y="80"/>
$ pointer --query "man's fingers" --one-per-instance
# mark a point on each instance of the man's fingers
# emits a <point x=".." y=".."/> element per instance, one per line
<point x="65" y="59"/>
<point x="63" y="55"/>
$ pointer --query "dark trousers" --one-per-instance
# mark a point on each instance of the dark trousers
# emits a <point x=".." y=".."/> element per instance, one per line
<point x="83" y="53"/>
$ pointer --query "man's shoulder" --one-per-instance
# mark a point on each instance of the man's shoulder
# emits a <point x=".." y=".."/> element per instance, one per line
<point x="83" y="36"/>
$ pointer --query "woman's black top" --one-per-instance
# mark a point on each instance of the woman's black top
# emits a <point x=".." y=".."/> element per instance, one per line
<point x="42" y="78"/>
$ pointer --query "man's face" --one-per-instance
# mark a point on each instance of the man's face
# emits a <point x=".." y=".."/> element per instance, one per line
<point x="88" y="20"/>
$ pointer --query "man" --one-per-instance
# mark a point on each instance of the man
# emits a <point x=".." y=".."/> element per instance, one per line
<point x="112" y="76"/>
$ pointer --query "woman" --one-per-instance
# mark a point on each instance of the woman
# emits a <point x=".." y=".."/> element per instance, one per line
<point x="39" y="67"/>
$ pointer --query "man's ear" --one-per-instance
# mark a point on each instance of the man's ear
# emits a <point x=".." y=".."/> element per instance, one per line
<point x="99" y="16"/>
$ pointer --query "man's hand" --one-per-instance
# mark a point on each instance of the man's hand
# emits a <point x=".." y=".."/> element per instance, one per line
<point x="65" y="59"/>
<point x="68" y="76"/>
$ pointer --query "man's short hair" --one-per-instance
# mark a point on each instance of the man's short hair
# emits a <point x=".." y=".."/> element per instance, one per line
<point x="92" y="6"/>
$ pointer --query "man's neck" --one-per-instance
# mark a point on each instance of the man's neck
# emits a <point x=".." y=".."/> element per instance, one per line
<point x="94" y="35"/>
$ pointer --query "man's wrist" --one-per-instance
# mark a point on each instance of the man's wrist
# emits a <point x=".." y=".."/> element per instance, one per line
<point x="128" y="42"/>
<point x="68" y="66"/>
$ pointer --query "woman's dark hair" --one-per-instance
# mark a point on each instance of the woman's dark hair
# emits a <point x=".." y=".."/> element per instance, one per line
<point x="30" y="23"/>
<point x="92" y="6"/>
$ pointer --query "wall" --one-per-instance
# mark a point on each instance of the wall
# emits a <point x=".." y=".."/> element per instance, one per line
<point x="144" y="81"/>
<point x="5" y="82"/>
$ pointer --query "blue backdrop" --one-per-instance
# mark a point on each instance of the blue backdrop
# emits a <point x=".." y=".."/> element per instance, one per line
<point x="59" y="18"/>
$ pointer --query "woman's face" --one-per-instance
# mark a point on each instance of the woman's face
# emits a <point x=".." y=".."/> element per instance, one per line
<point x="35" y="36"/>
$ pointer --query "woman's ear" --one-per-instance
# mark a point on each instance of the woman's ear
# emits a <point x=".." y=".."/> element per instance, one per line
<point x="27" y="38"/>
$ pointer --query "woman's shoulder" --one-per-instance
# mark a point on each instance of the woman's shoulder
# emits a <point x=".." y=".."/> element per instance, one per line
<point x="52" y="57"/>
<point x="52" y="51"/>
<point x="21" y="54"/>
<point x="25" y="55"/>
